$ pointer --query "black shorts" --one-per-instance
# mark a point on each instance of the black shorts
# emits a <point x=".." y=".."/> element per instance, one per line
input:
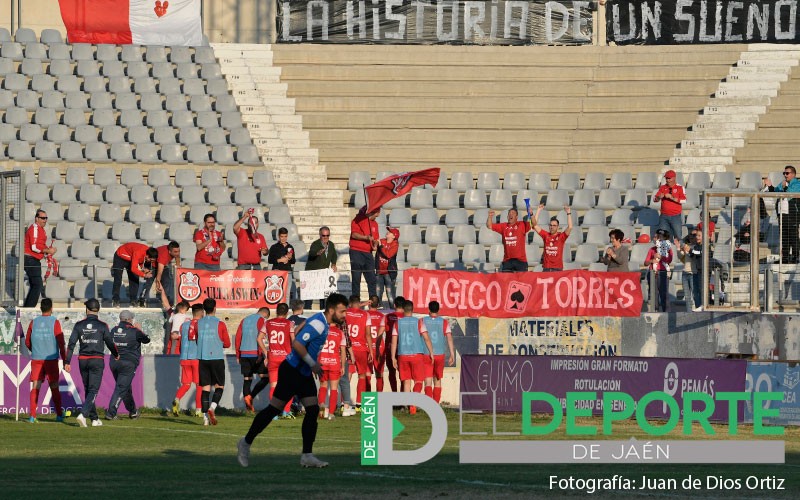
<point x="212" y="372"/>
<point x="293" y="383"/>
<point x="252" y="366"/>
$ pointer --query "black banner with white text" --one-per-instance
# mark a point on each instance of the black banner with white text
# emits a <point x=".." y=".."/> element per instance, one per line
<point x="655" y="22"/>
<point x="458" y="22"/>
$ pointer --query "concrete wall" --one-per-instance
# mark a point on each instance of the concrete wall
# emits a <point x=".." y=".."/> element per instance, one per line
<point x="240" y="21"/>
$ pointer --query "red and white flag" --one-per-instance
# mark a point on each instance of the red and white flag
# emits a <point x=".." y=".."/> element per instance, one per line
<point x="142" y="22"/>
<point x="384" y="191"/>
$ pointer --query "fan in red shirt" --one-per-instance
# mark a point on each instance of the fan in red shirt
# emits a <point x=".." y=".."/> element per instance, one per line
<point x="515" y="235"/>
<point x="554" y="241"/>
<point x="386" y="264"/>
<point x="672" y="197"/>
<point x="391" y="320"/>
<point x="377" y="329"/>
<point x="250" y="244"/>
<point x="357" y="321"/>
<point x="275" y="341"/>
<point x="210" y="245"/>
<point x="139" y="260"/>
<point x="35" y="249"/>
<point x="363" y="241"/>
<point x="331" y="359"/>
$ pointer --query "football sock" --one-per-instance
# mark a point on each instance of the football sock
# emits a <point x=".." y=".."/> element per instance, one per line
<point x="260" y="422"/>
<point x="34" y="400"/>
<point x="309" y="429"/>
<point x="246" y="387"/>
<point x="206" y="395"/>
<point x="198" y="397"/>
<point x="182" y="390"/>
<point x="57" y="400"/>
<point x="323" y="395"/>
<point x="429" y="391"/>
<point x="260" y="386"/>
<point x="418" y="387"/>
<point x="437" y="394"/>
<point x="368" y="383"/>
<point x="217" y="397"/>
<point x="362" y="384"/>
<point x="334" y="400"/>
<point x="379" y="384"/>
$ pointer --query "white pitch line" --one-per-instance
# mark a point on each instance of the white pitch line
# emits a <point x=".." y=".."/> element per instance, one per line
<point x="210" y="432"/>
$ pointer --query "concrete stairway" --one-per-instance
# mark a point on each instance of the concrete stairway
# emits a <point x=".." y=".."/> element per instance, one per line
<point x="277" y="132"/>
<point x="735" y="108"/>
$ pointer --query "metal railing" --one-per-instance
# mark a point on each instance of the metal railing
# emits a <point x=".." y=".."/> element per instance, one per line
<point x="12" y="189"/>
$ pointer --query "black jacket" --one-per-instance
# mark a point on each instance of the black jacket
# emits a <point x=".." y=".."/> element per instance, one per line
<point x="92" y="334"/>
<point x="128" y="339"/>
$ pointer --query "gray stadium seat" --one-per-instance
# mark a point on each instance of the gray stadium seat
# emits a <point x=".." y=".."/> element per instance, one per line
<point x="118" y="194"/>
<point x="71" y="151"/>
<point x="647" y="217"/>
<point x="488" y="181"/>
<point x="150" y="231"/>
<point x="410" y="234"/>
<point x="162" y="70"/>
<point x="112" y="69"/>
<point x="60" y="68"/>
<point x="609" y="199"/>
<point x="142" y="194"/>
<point x="82" y="250"/>
<point x="123" y="231"/>
<point x="622" y="217"/>
<point x="107" y="53"/>
<point x="175" y="102"/>
<point x="557" y="198"/>
<point x="167" y="86"/>
<point x="237" y="179"/>
<point x="207" y="119"/>
<point x="421" y="198"/>
<point x="724" y="180"/>
<point x="138" y="134"/>
<point x="57" y="133"/>
<point x="25" y="35"/>
<point x="436" y="235"/>
<point x="95" y="231"/>
<point x="228" y="214"/>
<point x="586" y="254"/>
<point x="103" y="117"/>
<point x="597" y="236"/>
<point x="35" y="51"/>
<point x="182" y="119"/>
<point x="263" y="178"/>
<point x="219" y="195"/>
<point x="97" y="152"/>
<point x="87" y="68"/>
<point x="84" y="288"/>
<point x="569" y="181"/>
<point x="248" y="155"/>
<point x="12" y="50"/>
<point x="211" y="71"/>
<point x="245" y="195"/>
<point x="474" y="199"/>
<point x="427" y="217"/>
<point x="126" y="101"/>
<point x="170" y="214"/>
<point x="193" y="194"/>
<point x="59" y="51"/>
<point x="112" y="134"/>
<point x="418" y="253"/>
<point x="122" y="152"/>
<point x="699" y="180"/>
<point x="131" y="53"/>
<point x="222" y="154"/>
<point x="399" y="216"/>
<point x="45" y="117"/>
<point x="185" y="177"/>
<point x="20" y="150"/>
<point x="157" y="177"/>
<point x="66" y="230"/>
<point x="31" y="67"/>
<point x="446" y="254"/>
<point x="196" y="214"/>
<point x="172" y="153"/>
<point x="120" y="84"/>
<point x="231" y="120"/>
<point x="594" y="217"/>
<point x="86" y="133"/>
<point x="155" y="53"/>
<point x="16" y="116"/>
<point x="488" y="237"/>
<point x="463" y="235"/>
<point x="189" y="136"/>
<point x="28" y="100"/>
<point x="692" y="199"/>
<point x="73" y="118"/>
<point x="216" y="136"/>
<point x="146" y="153"/>
<point x="187" y="70"/>
<point x="648" y="181"/>
<point x="595" y="181"/>
<point x="583" y="199"/>
<point x="63" y="193"/>
<point x="37" y="193"/>
<point x="474" y="254"/>
<point x="447" y="199"/>
<point x="501" y="199"/>
<point x="57" y="289"/>
<point x="167" y="194"/>
<point x="109" y="213"/>
<point x="461" y="181"/>
<point x="534" y="253"/>
<point x="636" y="199"/>
<point x="225" y="103"/>
<point x="279" y="214"/>
<point x="55" y="211"/>
<point x="46" y="151"/>
<point x="51" y="36"/>
<point x="164" y="135"/>
<point x="750" y="181"/>
<point x="150" y="101"/>
<point x="496" y="253"/>
<point x="156" y="118"/>
<point x="82" y="52"/>
<point x="455" y="216"/>
<point x="241" y="137"/>
<point x="204" y="55"/>
<point x="104" y="176"/>
<point x="107" y="248"/>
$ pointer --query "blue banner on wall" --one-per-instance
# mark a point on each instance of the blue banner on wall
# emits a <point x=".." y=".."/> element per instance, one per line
<point x="778" y="377"/>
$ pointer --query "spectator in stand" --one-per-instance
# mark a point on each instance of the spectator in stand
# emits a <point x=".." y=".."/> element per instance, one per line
<point x="743" y="239"/>
<point x="617" y="255"/>
<point x="35" y="249"/>
<point x="696" y="256"/>
<point x="250" y="244"/>
<point x="515" y="235"/>
<point x="789" y="214"/>
<point x="165" y="281"/>
<point x="139" y="261"/>
<point x="672" y="198"/>
<point x="554" y="241"/>
<point x="281" y="256"/>
<point x="363" y="241"/>
<point x="386" y="264"/>
<point x="45" y="340"/>
<point x="210" y="244"/>
<point x="658" y="259"/>
<point x="321" y="255"/>
<point x="687" y="278"/>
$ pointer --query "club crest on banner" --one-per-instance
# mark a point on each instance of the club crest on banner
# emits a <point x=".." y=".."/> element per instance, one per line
<point x="189" y="287"/>
<point x="161" y="8"/>
<point x="273" y="293"/>
<point x="400" y="182"/>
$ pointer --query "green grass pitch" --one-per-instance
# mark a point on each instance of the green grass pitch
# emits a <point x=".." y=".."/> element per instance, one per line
<point x="160" y="456"/>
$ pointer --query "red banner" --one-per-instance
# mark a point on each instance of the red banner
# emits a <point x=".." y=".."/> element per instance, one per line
<point x="234" y="289"/>
<point x="512" y="295"/>
<point x="386" y="190"/>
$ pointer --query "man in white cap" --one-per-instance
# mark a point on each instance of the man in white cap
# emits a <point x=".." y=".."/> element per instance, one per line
<point x="128" y="338"/>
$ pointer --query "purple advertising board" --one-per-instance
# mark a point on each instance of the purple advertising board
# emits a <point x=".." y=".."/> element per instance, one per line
<point x="70" y="384"/>
<point x="505" y="378"/>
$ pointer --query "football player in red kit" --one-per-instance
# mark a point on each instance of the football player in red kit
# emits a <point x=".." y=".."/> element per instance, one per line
<point x="377" y="329"/>
<point x="357" y="321"/>
<point x="275" y="341"/>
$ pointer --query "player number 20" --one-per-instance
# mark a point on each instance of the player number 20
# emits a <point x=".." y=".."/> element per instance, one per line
<point x="276" y="337"/>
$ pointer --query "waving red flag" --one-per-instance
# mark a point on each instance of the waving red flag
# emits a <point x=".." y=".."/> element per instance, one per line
<point x="397" y="185"/>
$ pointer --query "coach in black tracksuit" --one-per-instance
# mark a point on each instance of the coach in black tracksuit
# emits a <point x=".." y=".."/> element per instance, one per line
<point x="128" y="339"/>
<point x="92" y="334"/>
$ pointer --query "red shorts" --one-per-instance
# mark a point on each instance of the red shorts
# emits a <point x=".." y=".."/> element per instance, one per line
<point x="438" y="366"/>
<point x="362" y="365"/>
<point x="42" y="367"/>
<point x="272" y="369"/>
<point x="330" y="373"/>
<point x="411" y="367"/>
<point x="190" y="371"/>
<point x="427" y="364"/>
